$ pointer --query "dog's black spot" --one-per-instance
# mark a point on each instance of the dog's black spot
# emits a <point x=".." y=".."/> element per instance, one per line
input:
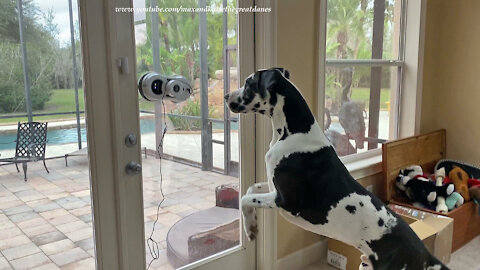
<point x="350" y="208"/>
<point x="409" y="251"/>
<point x="361" y="204"/>
<point x="239" y="99"/>
<point x="273" y="99"/>
<point x="302" y="195"/>
<point x="279" y="131"/>
<point x="285" y="134"/>
<point x="254" y="200"/>
<point x="261" y="111"/>
<point x="271" y="111"/>
<point x="233" y="105"/>
<point x="298" y="116"/>
<point x="264" y="103"/>
<point x="241" y="108"/>
<point x="378" y="206"/>
<point x="257" y="105"/>
<point x="381" y="222"/>
<point x="248" y="97"/>
<point x="259" y="202"/>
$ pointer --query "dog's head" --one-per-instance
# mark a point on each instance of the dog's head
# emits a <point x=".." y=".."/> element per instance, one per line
<point x="259" y="93"/>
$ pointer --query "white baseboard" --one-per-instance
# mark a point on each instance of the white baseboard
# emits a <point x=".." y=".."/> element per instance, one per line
<point x="304" y="257"/>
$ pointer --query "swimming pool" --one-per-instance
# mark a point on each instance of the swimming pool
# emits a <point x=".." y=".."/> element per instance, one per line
<point x="69" y="135"/>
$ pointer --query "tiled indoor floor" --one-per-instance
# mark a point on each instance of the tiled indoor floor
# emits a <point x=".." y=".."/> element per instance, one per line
<point x="46" y="222"/>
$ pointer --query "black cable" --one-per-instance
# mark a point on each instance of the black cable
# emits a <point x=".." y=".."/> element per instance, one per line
<point x="151" y="243"/>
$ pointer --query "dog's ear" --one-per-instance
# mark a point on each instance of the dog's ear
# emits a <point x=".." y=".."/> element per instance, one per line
<point x="269" y="79"/>
<point x="284" y="72"/>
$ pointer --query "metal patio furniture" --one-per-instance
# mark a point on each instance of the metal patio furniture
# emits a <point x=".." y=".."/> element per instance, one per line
<point x="81" y="152"/>
<point x="31" y="144"/>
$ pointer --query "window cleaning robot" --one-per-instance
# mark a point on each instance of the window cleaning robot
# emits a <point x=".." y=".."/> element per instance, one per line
<point x="156" y="87"/>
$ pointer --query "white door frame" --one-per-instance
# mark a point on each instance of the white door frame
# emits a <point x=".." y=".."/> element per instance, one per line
<point x="265" y="57"/>
<point x="116" y="196"/>
<point x="108" y="40"/>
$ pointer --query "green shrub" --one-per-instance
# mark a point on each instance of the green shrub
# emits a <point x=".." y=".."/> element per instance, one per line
<point x="191" y="108"/>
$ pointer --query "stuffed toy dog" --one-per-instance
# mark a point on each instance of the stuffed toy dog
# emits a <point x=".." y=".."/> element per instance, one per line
<point x="419" y="188"/>
<point x="460" y="179"/>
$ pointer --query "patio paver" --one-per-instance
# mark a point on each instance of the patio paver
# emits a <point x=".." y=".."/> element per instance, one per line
<point x="46" y="222"/>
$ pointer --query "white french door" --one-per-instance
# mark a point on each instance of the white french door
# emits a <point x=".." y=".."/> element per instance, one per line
<point x="125" y="205"/>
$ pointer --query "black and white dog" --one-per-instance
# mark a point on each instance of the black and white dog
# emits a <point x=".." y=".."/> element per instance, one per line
<point x="312" y="188"/>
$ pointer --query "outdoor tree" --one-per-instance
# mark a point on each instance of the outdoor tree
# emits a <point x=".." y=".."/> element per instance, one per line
<point x="179" y="39"/>
<point x="349" y="36"/>
<point x="41" y="46"/>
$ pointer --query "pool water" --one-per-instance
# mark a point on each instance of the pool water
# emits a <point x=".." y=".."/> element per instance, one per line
<point x="61" y="136"/>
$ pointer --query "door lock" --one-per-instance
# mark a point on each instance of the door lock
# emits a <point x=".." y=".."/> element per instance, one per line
<point x="130" y="140"/>
<point x="133" y="168"/>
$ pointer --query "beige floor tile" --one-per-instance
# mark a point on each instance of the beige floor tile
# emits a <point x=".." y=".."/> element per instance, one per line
<point x="68" y="229"/>
<point x="80" y="234"/>
<point x="9" y="204"/>
<point x="63" y="219"/>
<point x="49" y="237"/>
<point x="57" y="195"/>
<point x="14" y="242"/>
<point x="4" y="265"/>
<point x="30" y="261"/>
<point x="20" y="251"/>
<point x="167" y="219"/>
<point x="32" y="223"/>
<point x="37" y="230"/>
<point x="72" y="226"/>
<point x="48" y="266"/>
<point x="69" y="256"/>
<point x="57" y="246"/>
<point x="81" y="211"/>
<point x="177" y="208"/>
<point x="91" y="252"/>
<point x="9" y="233"/>
<point x="54" y="213"/>
<point x="81" y="193"/>
<point x="85" y="264"/>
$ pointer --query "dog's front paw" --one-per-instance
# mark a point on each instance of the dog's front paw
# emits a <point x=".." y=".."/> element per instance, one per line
<point x="250" y="223"/>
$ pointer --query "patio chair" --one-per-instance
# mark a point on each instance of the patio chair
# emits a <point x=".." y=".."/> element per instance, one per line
<point x="31" y="144"/>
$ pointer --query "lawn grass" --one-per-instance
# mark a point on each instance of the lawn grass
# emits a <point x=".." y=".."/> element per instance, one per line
<point x="363" y="95"/>
<point x="63" y="100"/>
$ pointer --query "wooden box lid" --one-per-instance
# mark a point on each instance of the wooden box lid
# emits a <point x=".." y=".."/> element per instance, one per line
<point x="424" y="150"/>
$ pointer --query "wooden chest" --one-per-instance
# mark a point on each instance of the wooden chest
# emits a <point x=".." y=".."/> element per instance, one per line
<point x="425" y="150"/>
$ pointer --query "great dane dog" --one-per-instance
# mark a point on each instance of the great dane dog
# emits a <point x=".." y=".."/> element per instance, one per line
<point x="312" y="188"/>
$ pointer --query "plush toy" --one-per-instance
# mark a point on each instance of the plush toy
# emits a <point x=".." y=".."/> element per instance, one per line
<point x="454" y="200"/>
<point x="475" y="192"/>
<point x="472" y="182"/>
<point x="441" y="205"/>
<point x="418" y="187"/>
<point x="460" y="179"/>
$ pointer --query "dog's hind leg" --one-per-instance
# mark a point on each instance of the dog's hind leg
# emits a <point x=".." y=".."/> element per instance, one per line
<point x="249" y="202"/>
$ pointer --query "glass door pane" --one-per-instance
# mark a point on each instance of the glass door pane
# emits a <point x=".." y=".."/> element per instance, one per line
<point x="190" y="172"/>
<point x="45" y="204"/>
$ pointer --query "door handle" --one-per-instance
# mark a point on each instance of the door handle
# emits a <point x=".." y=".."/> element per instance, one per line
<point x="133" y="168"/>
